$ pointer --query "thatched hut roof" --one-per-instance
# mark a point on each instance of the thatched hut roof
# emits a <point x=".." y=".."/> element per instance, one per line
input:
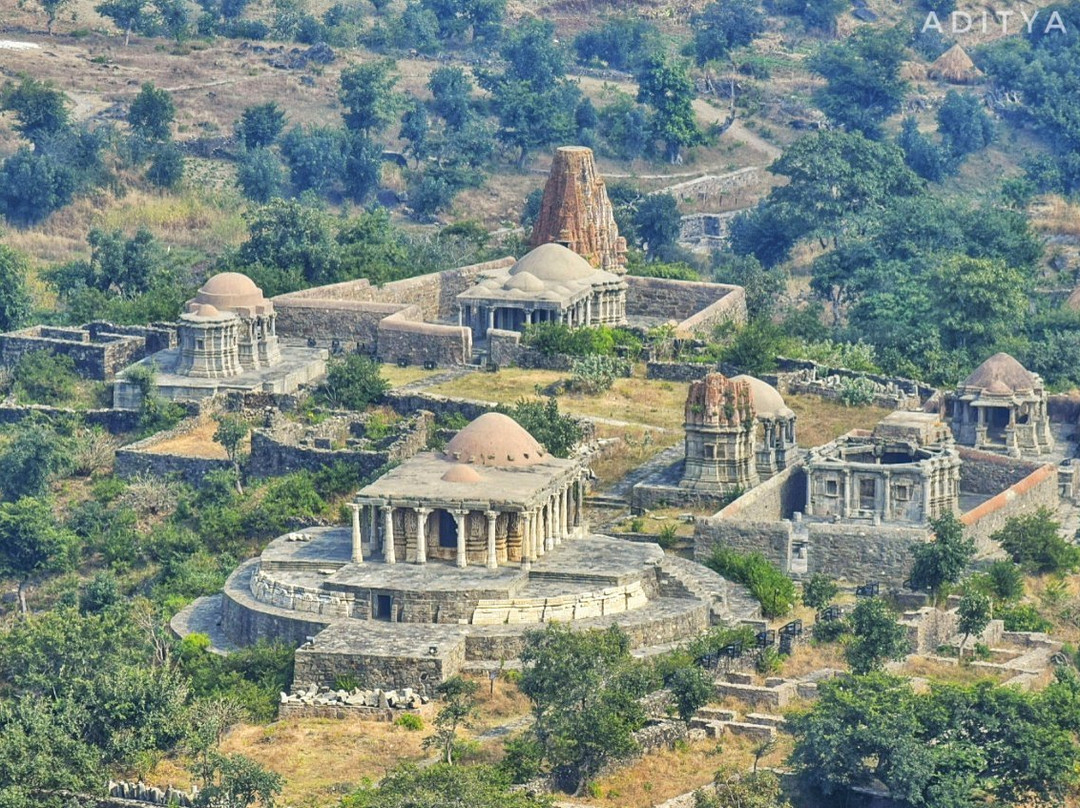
<point x="955" y="66"/>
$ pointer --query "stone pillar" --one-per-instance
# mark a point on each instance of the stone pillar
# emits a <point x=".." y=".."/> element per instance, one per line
<point x="492" y="559"/>
<point x="421" y="534"/>
<point x="460" y="315"/>
<point x="808" y="509"/>
<point x="538" y="532"/>
<point x="526" y="539"/>
<point x="886" y="505"/>
<point x="549" y="529"/>
<point x="373" y="526"/>
<point x="558" y="511"/>
<point x="564" y="512"/>
<point x="389" y="551"/>
<point x="461" y="519"/>
<point x="357" y="539"/>
<point x="846" y="507"/>
<point x="579" y="516"/>
<point x="491" y="317"/>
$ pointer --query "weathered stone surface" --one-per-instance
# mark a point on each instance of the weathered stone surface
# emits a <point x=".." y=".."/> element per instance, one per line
<point x="575" y="211"/>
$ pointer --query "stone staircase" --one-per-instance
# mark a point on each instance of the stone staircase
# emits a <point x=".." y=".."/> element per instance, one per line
<point x="730" y="602"/>
<point x="716" y="723"/>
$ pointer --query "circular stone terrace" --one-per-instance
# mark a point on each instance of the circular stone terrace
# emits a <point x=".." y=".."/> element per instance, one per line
<point x="413" y="625"/>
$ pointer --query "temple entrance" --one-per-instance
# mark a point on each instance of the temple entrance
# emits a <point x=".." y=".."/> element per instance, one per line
<point x="384" y="608"/>
<point x="867" y="494"/>
<point x="997" y="421"/>
<point x="447" y="529"/>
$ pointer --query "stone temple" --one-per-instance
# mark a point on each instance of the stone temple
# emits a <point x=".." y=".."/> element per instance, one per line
<point x="227" y="341"/>
<point x="1001" y="407"/>
<point x="551" y="284"/>
<point x="451" y="557"/>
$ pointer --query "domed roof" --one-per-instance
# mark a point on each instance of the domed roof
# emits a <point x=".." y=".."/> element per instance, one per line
<point x="460" y="473"/>
<point x="1001" y="368"/>
<point x="553" y="262"/>
<point x="525" y="282"/>
<point x="495" y="439"/>
<point x="767" y="400"/>
<point x="230" y="289"/>
<point x="204" y="311"/>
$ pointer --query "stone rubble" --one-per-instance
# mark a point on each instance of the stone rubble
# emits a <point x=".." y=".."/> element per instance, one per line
<point x="312" y="696"/>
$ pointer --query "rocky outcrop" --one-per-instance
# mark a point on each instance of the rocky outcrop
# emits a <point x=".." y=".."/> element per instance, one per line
<point x="576" y="212"/>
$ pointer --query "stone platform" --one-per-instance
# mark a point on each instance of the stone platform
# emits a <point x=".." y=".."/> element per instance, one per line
<point x="413" y="625"/>
<point x="299" y="365"/>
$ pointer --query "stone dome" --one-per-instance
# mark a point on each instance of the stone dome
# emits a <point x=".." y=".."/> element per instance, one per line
<point x="460" y="473"/>
<point x="229" y="290"/>
<point x="495" y="439"/>
<point x="767" y="400"/>
<point x="525" y="282"/>
<point x="1008" y="374"/>
<point x="554" y="263"/>
<point x="204" y="311"/>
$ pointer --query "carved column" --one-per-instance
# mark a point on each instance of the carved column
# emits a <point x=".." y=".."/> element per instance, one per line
<point x="373" y="527"/>
<point x="579" y="520"/>
<point x="357" y="539"/>
<point x="421" y="534"/>
<point x="492" y="559"/>
<point x="538" y="532"/>
<point x="461" y="520"/>
<point x="549" y="529"/>
<point x="389" y="551"/>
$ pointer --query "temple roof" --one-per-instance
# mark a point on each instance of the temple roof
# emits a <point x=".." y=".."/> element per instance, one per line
<point x="1001" y="375"/>
<point x="495" y="439"/>
<point x="554" y="263"/>
<point x="231" y="291"/>
<point x="768" y="402"/>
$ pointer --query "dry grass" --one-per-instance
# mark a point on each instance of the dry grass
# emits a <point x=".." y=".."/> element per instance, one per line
<point x="668" y="773"/>
<point x="944" y="672"/>
<point x="1056" y="216"/>
<point x="502" y="706"/>
<point x="198" y="442"/>
<point x="634" y="446"/>
<point x="398" y="376"/>
<point x="822" y="420"/>
<point x="635" y="400"/>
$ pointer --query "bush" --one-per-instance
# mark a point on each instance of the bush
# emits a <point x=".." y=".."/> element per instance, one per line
<point x="1006" y="581"/>
<point x="830" y="630"/>
<point x="354" y="383"/>
<point x="668" y="536"/>
<point x="691" y="688"/>
<point x="1034" y="542"/>
<point x="595" y="374"/>
<point x="556" y="432"/>
<point x="772" y="589"/>
<point x="819" y="591"/>
<point x="552" y="339"/>
<point x="1022" y="617"/>
<point x="856" y="392"/>
<point x="409" y="721"/>
<point x="42" y="377"/>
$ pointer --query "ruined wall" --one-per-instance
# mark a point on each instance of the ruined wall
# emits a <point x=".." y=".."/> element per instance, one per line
<point x="98" y="350"/>
<point x="138" y="459"/>
<point x="990" y="473"/>
<point x="697" y="307"/>
<point x="862" y="553"/>
<point x="777" y="498"/>
<point x="420" y="673"/>
<point x="505" y="349"/>
<point x="115" y="422"/>
<point x="349" y="321"/>
<point x="404" y="337"/>
<point x="1037" y="490"/>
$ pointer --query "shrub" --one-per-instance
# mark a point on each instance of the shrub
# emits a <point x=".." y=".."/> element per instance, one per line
<point x="42" y="377"/>
<point x="830" y="630"/>
<point x="1034" y="542"/>
<point x="354" y="383"/>
<point x="1022" y="617"/>
<point x="558" y="433"/>
<point x="819" y="591"/>
<point x="856" y="392"/>
<point x="772" y="589"/>
<point x="409" y="721"/>
<point x="668" y="536"/>
<point x="1006" y="581"/>
<point x="553" y="339"/>
<point x="595" y="374"/>
<point x="691" y="688"/>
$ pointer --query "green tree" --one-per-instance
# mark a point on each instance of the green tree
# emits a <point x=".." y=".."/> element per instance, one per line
<point x="963" y="123"/>
<point x="658" y="222"/>
<point x="1006" y="581"/>
<point x="31" y="461"/>
<point x="416" y="129"/>
<point x="288" y="235"/>
<point x="40" y="108"/>
<point x="976" y="300"/>
<point x="862" y="74"/>
<point x="720" y="27"/>
<point x="260" y="125"/>
<point x="367" y="93"/>
<point x="236" y="781"/>
<point x="819" y="591"/>
<point x="353" y="383"/>
<point x="1034" y="542"/>
<point x="363" y="166"/>
<point x="974" y="616"/>
<point x="921" y="154"/>
<point x="232" y="431"/>
<point x="762" y="286"/>
<point x="259" y="175"/>
<point x="665" y="85"/>
<point x="42" y="377"/>
<point x="451" y="91"/>
<point x="151" y="114"/>
<point x="943" y="560"/>
<point x="557" y="432"/>
<point x="734" y="789"/>
<point x="584" y="688"/>
<point x="125" y="14"/>
<point x="118" y="265"/>
<point x="31" y="543"/>
<point x="691" y="687"/>
<point x="52" y="9"/>
<point x="458" y="696"/>
<point x="878" y="638"/>
<point x="316" y="158"/>
<point x="15" y="299"/>
<point x="32" y="186"/>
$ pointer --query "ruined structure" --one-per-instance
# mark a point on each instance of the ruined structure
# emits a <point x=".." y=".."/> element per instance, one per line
<point x="906" y="471"/>
<point x="451" y="557"/>
<point x="775" y="444"/>
<point x="227" y="342"/>
<point x="1001" y="407"/>
<point x="98" y="350"/>
<point x="575" y="211"/>
<point x="550" y="284"/>
<point x="720" y="425"/>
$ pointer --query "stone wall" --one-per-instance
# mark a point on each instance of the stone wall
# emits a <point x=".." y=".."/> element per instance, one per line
<point x="861" y="553"/>
<point x="116" y="422"/>
<point x="245" y="622"/>
<point x="1037" y="490"/>
<point x="138" y="459"/>
<point x="678" y="371"/>
<point x="288" y="447"/>
<point x="505" y="349"/>
<point x="777" y="498"/>
<point x="696" y="307"/>
<point x="990" y="473"/>
<point x="404" y="338"/>
<point x="99" y="349"/>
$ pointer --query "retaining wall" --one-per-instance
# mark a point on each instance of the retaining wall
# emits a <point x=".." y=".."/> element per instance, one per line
<point x="1037" y="490"/>
<point x="696" y="307"/>
<point x="135" y="458"/>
